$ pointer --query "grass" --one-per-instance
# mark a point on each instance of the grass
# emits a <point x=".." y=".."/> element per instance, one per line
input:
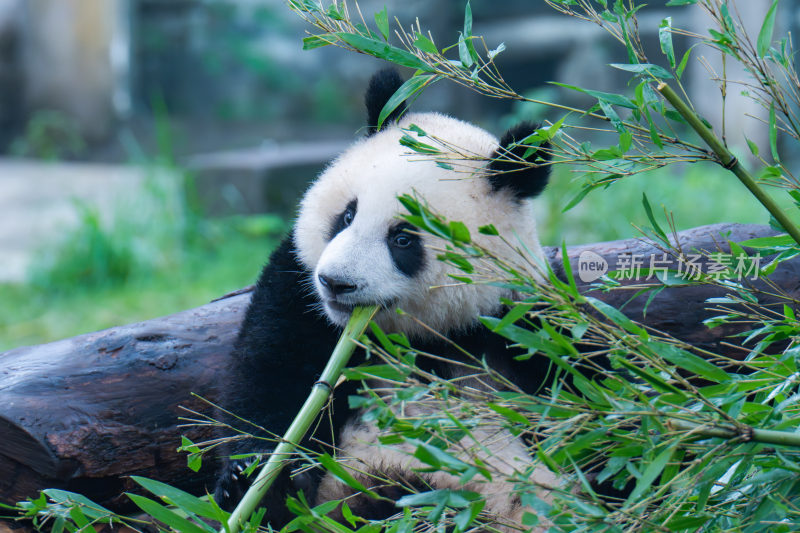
<point x="697" y="194"/>
<point x="37" y="314"/>
<point x="202" y="260"/>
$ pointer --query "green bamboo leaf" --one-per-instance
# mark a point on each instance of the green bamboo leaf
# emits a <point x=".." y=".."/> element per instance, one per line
<point x="194" y="459"/>
<point x="334" y="13"/>
<point x="611" y="98"/>
<point x="617" y="317"/>
<point x="382" y="50"/>
<point x="769" y="242"/>
<point x="460" y="232"/>
<point x="525" y="337"/>
<point x="769" y="172"/>
<point x="652" y="219"/>
<point x="304" y="6"/>
<point x="168" y="517"/>
<point x="650" y="377"/>
<point x="464" y="518"/>
<point x="468" y="33"/>
<point x="463" y="53"/>
<point x="644" y="69"/>
<point x="612" y="115"/>
<point x="425" y="44"/>
<point x="683" y="63"/>
<point x="568" y="270"/>
<point x="81" y="521"/>
<point x="620" y="10"/>
<point x="689" y="522"/>
<point x="412" y="86"/>
<point x="728" y="25"/>
<point x="59" y="525"/>
<point x="489" y="229"/>
<point x="382" y="21"/>
<point x="625" y="141"/>
<point x="654" y="136"/>
<point x="509" y="414"/>
<point x="437" y="458"/>
<point x="94" y="510"/>
<point x="419" y="147"/>
<point x="577" y="198"/>
<point x="753" y="147"/>
<point x="689" y="361"/>
<point x="768" y="26"/>
<point x="178" y="498"/>
<point x="317" y="41"/>
<point x="650" y="474"/>
<point x="665" y="38"/>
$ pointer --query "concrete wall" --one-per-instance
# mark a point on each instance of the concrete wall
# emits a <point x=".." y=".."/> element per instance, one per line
<point x="75" y="60"/>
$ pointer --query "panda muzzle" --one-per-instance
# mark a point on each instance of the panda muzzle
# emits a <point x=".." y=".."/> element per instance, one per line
<point x="336" y="286"/>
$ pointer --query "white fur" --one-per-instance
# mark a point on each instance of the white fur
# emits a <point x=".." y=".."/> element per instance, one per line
<point x="507" y="459"/>
<point x="375" y="171"/>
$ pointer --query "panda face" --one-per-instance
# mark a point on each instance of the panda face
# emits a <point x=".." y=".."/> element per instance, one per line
<point x="350" y="237"/>
<point x="371" y="258"/>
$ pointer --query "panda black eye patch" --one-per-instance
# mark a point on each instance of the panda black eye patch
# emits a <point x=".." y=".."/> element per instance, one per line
<point x="343" y="219"/>
<point x="406" y="249"/>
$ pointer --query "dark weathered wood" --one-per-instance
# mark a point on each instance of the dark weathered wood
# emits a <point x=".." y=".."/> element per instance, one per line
<point x="680" y="311"/>
<point x="84" y="413"/>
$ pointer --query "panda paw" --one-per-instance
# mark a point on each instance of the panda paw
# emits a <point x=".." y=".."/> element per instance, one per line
<point x="233" y="482"/>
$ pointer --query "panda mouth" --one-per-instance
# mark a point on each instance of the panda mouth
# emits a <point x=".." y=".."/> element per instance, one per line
<point x="347" y="308"/>
<point x="340" y="307"/>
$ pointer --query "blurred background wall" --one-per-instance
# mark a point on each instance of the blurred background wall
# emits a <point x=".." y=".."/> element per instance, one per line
<point x="109" y="65"/>
<point x="148" y="141"/>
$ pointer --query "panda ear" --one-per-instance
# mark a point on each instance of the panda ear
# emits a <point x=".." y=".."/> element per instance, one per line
<point x="507" y="170"/>
<point x="382" y="86"/>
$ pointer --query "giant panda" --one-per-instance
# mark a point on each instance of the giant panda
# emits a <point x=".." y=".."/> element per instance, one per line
<point x="349" y="247"/>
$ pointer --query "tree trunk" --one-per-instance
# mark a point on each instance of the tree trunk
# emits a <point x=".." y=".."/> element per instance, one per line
<point x="86" y="412"/>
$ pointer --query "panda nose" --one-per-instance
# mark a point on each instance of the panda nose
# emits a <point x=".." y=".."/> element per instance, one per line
<point x="336" y="286"/>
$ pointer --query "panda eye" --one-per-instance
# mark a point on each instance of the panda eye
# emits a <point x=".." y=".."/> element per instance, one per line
<point x="406" y="248"/>
<point x="402" y="240"/>
<point x="348" y="216"/>
<point x="343" y="219"/>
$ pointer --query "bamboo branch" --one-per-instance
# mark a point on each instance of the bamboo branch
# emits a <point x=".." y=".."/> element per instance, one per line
<point x="727" y="159"/>
<point x="765" y="436"/>
<point x="308" y="413"/>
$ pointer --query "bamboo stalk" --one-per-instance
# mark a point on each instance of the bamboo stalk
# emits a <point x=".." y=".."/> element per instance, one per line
<point x="727" y="159"/>
<point x="765" y="436"/>
<point x="308" y="413"/>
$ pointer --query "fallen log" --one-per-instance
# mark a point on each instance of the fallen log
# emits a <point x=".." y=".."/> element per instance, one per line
<point x="85" y="413"/>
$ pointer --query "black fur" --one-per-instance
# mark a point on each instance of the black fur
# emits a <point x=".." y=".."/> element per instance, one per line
<point x="382" y="86"/>
<point x="341" y="221"/>
<point x="406" y="249"/>
<point x="525" y="181"/>
<point x="281" y="349"/>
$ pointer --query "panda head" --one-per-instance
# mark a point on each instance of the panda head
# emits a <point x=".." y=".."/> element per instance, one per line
<point x="349" y="234"/>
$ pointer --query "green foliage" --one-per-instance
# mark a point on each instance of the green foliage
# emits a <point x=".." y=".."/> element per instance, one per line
<point x="186" y="277"/>
<point x="89" y="256"/>
<point x="49" y="135"/>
